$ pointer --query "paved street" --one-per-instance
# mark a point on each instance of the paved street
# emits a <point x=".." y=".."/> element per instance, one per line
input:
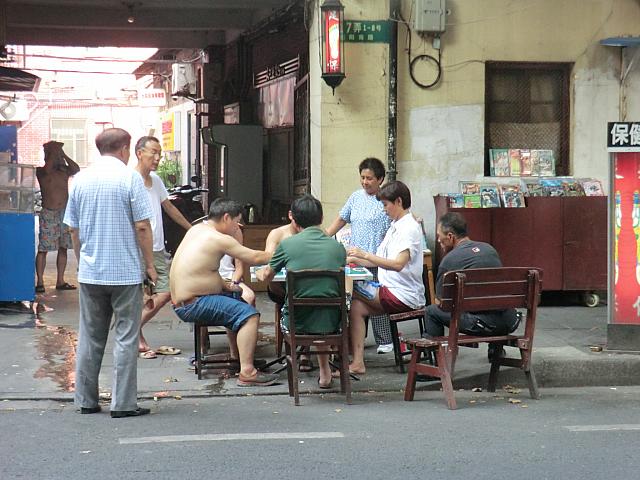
<point x="569" y="434"/>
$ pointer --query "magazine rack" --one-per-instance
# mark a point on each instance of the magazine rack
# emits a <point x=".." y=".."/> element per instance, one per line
<point x="566" y="237"/>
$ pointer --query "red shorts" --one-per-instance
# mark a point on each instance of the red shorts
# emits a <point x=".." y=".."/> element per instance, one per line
<point x="390" y="302"/>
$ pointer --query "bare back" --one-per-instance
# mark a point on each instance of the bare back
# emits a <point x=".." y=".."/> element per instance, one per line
<point x="277" y="235"/>
<point x="194" y="269"/>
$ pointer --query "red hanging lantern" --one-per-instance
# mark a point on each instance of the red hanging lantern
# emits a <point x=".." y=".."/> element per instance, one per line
<point x="332" y="12"/>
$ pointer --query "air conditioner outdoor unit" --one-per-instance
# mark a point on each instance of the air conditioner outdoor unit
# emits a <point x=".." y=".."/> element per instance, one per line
<point x="183" y="79"/>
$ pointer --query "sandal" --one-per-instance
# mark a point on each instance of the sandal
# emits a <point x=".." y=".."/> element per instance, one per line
<point x="148" y="354"/>
<point x="39" y="288"/>
<point x="325" y="386"/>
<point x="65" y="286"/>
<point x="258" y="380"/>
<point x="164" y="350"/>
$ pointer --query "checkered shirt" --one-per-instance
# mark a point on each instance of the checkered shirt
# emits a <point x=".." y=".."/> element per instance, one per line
<point x="105" y="201"/>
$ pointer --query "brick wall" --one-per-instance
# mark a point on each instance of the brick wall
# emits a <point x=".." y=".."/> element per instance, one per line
<point x="32" y="136"/>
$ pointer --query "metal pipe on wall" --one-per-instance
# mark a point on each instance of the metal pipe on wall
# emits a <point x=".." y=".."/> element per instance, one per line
<point x="392" y="125"/>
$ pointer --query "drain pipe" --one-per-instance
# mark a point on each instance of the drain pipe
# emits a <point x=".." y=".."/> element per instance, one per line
<point x="392" y="125"/>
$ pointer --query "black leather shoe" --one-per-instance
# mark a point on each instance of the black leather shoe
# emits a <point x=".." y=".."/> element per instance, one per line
<point x="129" y="413"/>
<point x="87" y="410"/>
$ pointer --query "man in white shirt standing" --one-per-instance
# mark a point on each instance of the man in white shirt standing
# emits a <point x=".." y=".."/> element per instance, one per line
<point x="148" y="151"/>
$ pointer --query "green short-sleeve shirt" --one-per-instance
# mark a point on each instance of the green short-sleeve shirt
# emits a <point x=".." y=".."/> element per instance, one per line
<point x="311" y="249"/>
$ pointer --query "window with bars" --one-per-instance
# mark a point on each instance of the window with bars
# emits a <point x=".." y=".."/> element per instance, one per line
<point x="527" y="107"/>
<point x="73" y="133"/>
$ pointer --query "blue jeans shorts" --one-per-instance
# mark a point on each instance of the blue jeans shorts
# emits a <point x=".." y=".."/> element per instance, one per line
<point x="217" y="311"/>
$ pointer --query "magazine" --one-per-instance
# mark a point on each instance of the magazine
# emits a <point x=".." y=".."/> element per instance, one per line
<point x="531" y="187"/>
<point x="469" y="188"/>
<point x="525" y="162"/>
<point x="456" y="200"/>
<point x="489" y="197"/>
<point x="552" y="187"/>
<point x="512" y="199"/>
<point x="514" y="162"/>
<point x="571" y="187"/>
<point x="472" y="201"/>
<point x="592" y="187"/>
<point x="543" y="163"/>
<point x="499" y="162"/>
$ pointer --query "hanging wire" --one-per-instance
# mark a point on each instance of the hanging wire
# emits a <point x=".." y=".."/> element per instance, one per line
<point x="420" y="58"/>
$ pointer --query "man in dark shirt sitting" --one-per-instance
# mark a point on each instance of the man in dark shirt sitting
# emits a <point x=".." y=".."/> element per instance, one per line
<point x="463" y="253"/>
<point x="310" y="248"/>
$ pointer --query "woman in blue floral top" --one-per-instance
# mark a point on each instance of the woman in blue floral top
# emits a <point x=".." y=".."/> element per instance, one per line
<point x="369" y="224"/>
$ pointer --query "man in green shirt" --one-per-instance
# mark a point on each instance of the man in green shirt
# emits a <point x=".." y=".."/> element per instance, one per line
<point x="310" y="248"/>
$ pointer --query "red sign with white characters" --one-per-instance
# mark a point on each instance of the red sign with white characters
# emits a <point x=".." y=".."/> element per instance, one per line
<point x="332" y="44"/>
<point x="626" y="241"/>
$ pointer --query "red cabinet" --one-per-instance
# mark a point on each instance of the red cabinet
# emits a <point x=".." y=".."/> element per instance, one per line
<point x="565" y="236"/>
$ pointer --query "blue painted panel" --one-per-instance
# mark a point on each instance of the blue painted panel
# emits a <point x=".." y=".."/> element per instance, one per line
<point x="17" y="256"/>
<point x="9" y="141"/>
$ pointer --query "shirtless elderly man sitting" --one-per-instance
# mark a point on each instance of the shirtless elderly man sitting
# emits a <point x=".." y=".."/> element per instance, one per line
<point x="199" y="294"/>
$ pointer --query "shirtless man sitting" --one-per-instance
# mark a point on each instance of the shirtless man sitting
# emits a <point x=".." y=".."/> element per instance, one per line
<point x="53" y="179"/>
<point x="276" y="289"/>
<point x="199" y="294"/>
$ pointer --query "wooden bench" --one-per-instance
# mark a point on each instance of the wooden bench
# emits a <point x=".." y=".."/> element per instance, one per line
<point x="476" y="290"/>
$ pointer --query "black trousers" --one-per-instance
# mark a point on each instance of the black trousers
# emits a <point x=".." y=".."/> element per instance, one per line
<point x="499" y="322"/>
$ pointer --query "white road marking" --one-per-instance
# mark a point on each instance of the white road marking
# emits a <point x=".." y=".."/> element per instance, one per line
<point x="602" y="428"/>
<point x="224" y="437"/>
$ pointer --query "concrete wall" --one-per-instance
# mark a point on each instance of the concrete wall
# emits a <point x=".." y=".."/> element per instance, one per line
<point x="441" y="130"/>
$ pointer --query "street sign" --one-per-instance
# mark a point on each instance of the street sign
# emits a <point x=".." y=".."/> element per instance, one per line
<point x="366" y="31"/>
<point x="623" y="137"/>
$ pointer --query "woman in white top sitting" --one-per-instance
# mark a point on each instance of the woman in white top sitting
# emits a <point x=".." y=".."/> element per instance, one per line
<point x="399" y="262"/>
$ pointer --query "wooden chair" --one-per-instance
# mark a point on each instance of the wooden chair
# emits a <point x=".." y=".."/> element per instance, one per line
<point x="278" y="337"/>
<point x="476" y="290"/>
<point x="205" y="361"/>
<point x="417" y="314"/>
<point x="394" y="319"/>
<point x="338" y="342"/>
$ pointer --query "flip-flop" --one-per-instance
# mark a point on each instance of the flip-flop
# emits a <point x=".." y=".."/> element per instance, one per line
<point x="39" y="288"/>
<point x="148" y="354"/>
<point x="164" y="350"/>
<point x="65" y="286"/>
<point x="325" y="386"/>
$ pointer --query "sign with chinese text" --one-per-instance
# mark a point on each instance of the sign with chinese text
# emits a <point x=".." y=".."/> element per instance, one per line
<point x="152" y="97"/>
<point x="366" y="31"/>
<point x="623" y="136"/>
<point x="332" y="45"/>
<point x="625" y="264"/>
<point x="171" y="132"/>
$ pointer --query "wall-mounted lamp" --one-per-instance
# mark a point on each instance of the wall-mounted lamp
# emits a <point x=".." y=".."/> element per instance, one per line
<point x="131" y="17"/>
<point x="332" y="12"/>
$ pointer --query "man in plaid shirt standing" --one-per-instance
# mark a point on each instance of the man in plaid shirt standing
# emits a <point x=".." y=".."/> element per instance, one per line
<point x="109" y="214"/>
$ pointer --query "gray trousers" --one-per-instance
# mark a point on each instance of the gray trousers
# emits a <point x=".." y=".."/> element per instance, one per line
<point x="98" y="303"/>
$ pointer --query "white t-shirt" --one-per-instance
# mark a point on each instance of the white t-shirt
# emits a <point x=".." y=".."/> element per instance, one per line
<point x="157" y="194"/>
<point x="406" y="285"/>
<point x="227" y="267"/>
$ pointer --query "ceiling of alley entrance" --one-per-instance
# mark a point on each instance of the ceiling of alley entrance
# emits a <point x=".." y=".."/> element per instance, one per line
<point x="133" y="23"/>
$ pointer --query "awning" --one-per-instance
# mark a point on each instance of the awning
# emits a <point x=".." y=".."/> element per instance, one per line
<point x="16" y="80"/>
<point x="621" y="41"/>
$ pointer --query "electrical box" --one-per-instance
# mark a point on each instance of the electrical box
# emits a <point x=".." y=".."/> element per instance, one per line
<point x="183" y="79"/>
<point x="430" y="16"/>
